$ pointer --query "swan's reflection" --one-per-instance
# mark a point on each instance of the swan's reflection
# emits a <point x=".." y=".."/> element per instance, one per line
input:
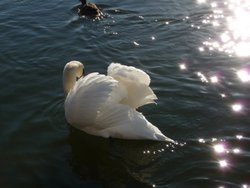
<point x="105" y="160"/>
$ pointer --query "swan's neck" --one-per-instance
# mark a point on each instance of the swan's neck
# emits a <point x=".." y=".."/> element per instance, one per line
<point x="72" y="71"/>
<point x="68" y="82"/>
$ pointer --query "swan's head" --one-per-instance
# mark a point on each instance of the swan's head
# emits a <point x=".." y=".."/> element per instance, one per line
<point x="73" y="70"/>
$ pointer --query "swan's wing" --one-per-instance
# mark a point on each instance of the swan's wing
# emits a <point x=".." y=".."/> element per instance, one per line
<point x="136" y="83"/>
<point x="88" y="95"/>
<point x="121" y="121"/>
<point x="128" y="72"/>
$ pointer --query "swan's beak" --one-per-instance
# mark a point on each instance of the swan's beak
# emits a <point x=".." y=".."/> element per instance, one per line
<point x="83" y="73"/>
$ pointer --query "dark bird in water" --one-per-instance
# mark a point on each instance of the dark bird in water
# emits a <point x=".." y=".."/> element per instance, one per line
<point x="89" y="9"/>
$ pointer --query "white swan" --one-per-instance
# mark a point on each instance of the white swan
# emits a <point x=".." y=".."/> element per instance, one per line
<point x="106" y="105"/>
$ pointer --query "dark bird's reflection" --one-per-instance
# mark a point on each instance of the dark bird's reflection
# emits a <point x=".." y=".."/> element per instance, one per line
<point x="104" y="160"/>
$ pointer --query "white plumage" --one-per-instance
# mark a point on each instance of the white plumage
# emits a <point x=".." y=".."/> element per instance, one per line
<point x="106" y="105"/>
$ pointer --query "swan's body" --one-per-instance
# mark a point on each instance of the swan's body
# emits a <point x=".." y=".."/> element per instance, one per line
<point x="106" y="105"/>
<point x="89" y="9"/>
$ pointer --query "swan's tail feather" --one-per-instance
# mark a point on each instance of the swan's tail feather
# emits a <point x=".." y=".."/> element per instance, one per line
<point x="163" y="138"/>
<point x="120" y="121"/>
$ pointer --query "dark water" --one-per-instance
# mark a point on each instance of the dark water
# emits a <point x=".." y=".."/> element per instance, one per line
<point x="198" y="57"/>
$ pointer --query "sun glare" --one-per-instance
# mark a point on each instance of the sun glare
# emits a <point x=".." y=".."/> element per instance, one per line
<point x="237" y="107"/>
<point x="232" y="17"/>
<point x="201" y="1"/>
<point x="223" y="163"/>
<point x="243" y="75"/>
<point x="219" y="148"/>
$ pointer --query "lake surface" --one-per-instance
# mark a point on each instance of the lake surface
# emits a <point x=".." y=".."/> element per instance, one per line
<point x="197" y="54"/>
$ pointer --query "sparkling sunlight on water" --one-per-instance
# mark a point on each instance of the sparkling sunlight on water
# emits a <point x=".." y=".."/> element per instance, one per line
<point x="232" y="18"/>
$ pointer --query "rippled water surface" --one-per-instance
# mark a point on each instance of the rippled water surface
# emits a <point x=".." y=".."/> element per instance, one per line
<point x="197" y="54"/>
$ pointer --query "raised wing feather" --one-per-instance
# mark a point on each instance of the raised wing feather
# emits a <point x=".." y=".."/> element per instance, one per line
<point x="128" y="72"/>
<point x="136" y="83"/>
